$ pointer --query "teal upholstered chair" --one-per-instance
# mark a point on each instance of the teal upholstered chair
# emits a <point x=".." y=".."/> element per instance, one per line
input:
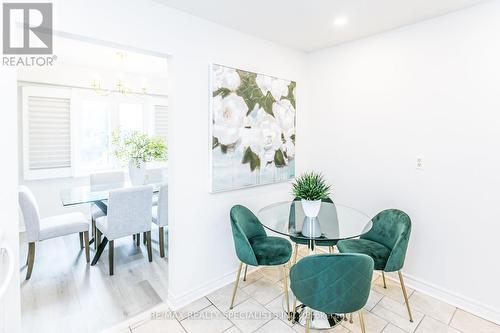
<point x="332" y="283"/>
<point x="386" y="243"/>
<point x="302" y="241"/>
<point x="255" y="248"/>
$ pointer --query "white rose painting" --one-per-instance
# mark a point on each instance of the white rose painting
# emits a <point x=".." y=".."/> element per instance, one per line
<point x="252" y="129"/>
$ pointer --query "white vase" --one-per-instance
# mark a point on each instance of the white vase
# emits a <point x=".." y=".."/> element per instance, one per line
<point x="311" y="207"/>
<point x="311" y="227"/>
<point x="137" y="172"/>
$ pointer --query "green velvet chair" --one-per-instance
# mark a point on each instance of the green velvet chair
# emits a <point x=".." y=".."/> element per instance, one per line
<point x="301" y="241"/>
<point x="332" y="283"/>
<point x="255" y="248"/>
<point x="386" y="243"/>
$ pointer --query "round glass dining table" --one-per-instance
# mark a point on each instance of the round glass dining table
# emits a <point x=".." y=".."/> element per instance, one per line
<point x="334" y="221"/>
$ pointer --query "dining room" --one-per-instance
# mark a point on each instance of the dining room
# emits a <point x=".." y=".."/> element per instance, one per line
<point x="186" y="166"/>
<point x="93" y="127"/>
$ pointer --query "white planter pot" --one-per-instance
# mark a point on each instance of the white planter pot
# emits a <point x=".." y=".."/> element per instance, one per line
<point x="136" y="173"/>
<point x="311" y="207"/>
<point x="311" y="227"/>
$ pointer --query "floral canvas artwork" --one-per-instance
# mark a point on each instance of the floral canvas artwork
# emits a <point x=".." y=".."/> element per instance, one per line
<point x="252" y="129"/>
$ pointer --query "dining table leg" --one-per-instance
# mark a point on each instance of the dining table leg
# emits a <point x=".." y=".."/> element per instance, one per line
<point x="99" y="251"/>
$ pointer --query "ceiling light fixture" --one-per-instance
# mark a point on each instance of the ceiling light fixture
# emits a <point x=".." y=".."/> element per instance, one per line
<point x="340" y="21"/>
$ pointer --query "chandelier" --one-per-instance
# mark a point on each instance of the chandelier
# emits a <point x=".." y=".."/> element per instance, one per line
<point x="119" y="87"/>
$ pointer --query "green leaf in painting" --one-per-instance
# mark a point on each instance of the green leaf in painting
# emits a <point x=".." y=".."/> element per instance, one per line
<point x="215" y="142"/>
<point x="291" y="93"/>
<point x="222" y="91"/>
<point x="250" y="157"/>
<point x="279" y="159"/>
<point x="251" y="93"/>
<point x="223" y="148"/>
<point x="293" y="138"/>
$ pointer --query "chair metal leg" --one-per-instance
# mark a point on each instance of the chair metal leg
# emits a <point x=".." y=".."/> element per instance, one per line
<point x="162" y="242"/>
<point x="148" y="244"/>
<point x="31" y="259"/>
<point x="245" y="274"/>
<point x="308" y="319"/>
<point x="144" y="238"/>
<point x="87" y="246"/>
<point x="362" y="321"/>
<point x="81" y="239"/>
<point x="330" y="249"/>
<point x="383" y="279"/>
<point x="138" y="239"/>
<point x="111" y="253"/>
<point x="236" y="285"/>
<point x="94" y="233"/>
<point x="285" y="286"/>
<point x="294" y="310"/>
<point x="350" y="318"/>
<point x="133" y="237"/>
<point x="405" y="295"/>
<point x="296" y="253"/>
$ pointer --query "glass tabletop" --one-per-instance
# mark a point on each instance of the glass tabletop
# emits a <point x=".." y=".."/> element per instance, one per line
<point x="87" y="194"/>
<point x="336" y="221"/>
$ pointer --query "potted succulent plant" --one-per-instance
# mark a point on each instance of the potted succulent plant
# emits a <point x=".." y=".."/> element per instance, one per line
<point x="137" y="148"/>
<point x="311" y="188"/>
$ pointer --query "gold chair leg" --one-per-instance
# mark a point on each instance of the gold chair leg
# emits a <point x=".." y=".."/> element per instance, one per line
<point x="81" y="239"/>
<point x="236" y="285"/>
<point x="148" y="244"/>
<point x="362" y="321"/>
<point x="308" y="319"/>
<point x="350" y="318"/>
<point x="245" y="274"/>
<point x="405" y="295"/>
<point x="296" y="253"/>
<point x="31" y="259"/>
<point x="162" y="242"/>
<point x="330" y="249"/>
<point x="383" y="279"/>
<point x="294" y="312"/>
<point x="111" y="252"/>
<point x="285" y="286"/>
<point x="87" y="247"/>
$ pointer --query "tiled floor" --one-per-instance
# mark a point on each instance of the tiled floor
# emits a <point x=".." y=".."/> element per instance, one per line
<point x="262" y="295"/>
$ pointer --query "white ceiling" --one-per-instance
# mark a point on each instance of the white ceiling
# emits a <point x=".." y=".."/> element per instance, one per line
<point x="74" y="52"/>
<point x="307" y="25"/>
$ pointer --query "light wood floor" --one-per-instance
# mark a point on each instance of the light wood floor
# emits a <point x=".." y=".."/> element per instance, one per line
<point x="65" y="294"/>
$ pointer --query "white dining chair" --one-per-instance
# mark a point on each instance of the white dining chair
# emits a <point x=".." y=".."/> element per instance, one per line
<point x="160" y="216"/>
<point x="129" y="213"/>
<point x="39" y="229"/>
<point x="101" y="179"/>
<point x="154" y="176"/>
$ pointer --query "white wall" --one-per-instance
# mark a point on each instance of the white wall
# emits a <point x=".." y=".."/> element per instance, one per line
<point x="431" y="90"/>
<point x="10" y="309"/>
<point x="201" y="253"/>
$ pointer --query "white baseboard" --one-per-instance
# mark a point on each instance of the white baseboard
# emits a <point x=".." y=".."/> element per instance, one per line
<point x="177" y="302"/>
<point x="465" y="303"/>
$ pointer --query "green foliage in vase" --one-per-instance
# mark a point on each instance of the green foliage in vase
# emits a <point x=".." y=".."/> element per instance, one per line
<point x="311" y="186"/>
<point x="138" y="146"/>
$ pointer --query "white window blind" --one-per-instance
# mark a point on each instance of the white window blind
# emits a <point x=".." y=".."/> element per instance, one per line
<point x="161" y="121"/>
<point x="47" y="133"/>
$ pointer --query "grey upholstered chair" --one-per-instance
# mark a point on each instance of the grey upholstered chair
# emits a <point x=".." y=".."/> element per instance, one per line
<point x="129" y="213"/>
<point x="160" y="216"/>
<point x="38" y="229"/>
<point x="103" y="179"/>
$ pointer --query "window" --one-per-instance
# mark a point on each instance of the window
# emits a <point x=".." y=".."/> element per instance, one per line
<point x="67" y="132"/>
<point x="47" y="132"/>
<point x="93" y="139"/>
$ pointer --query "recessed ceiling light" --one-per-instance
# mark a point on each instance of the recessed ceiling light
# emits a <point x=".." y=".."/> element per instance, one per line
<point x="340" y="21"/>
